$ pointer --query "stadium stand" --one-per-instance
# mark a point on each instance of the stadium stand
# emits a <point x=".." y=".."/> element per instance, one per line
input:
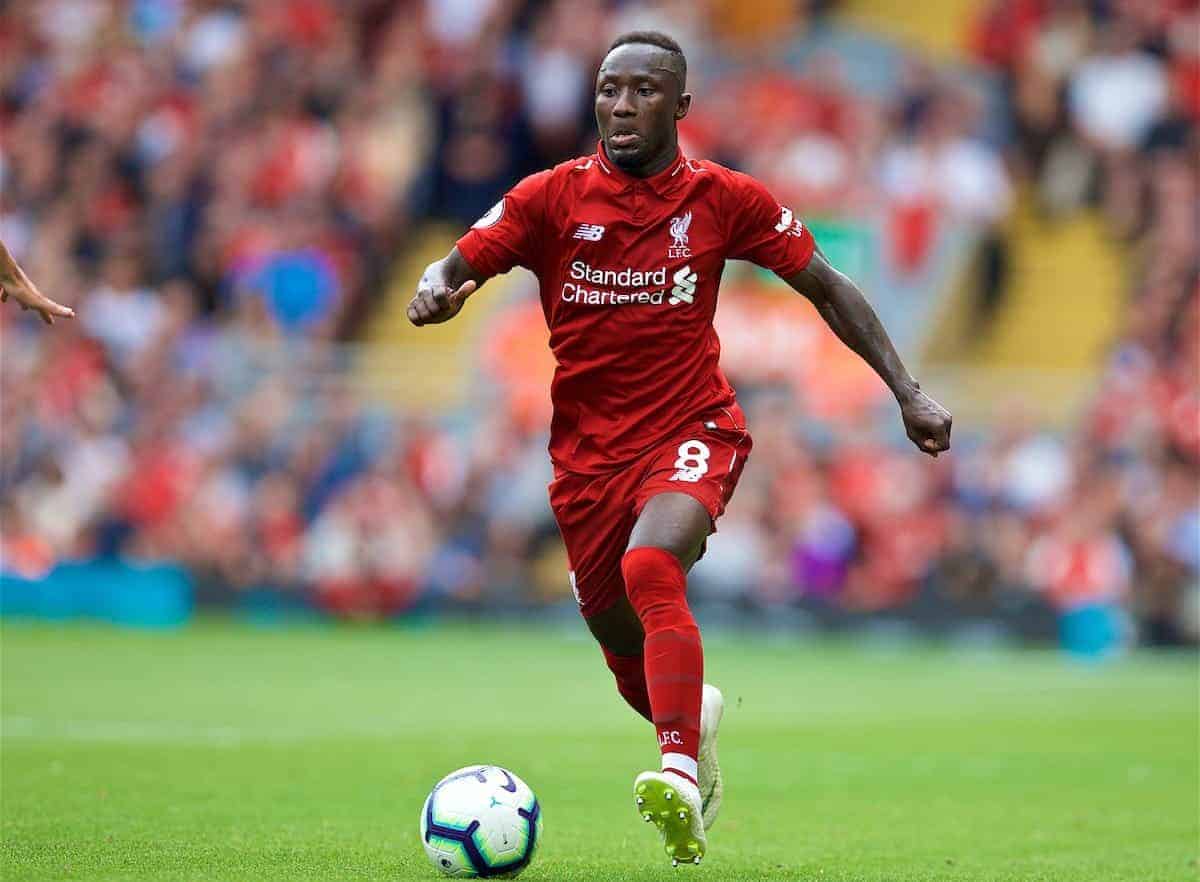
<point x="236" y="197"/>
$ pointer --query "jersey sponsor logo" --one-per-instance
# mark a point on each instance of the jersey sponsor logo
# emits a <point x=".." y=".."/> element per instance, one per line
<point x="789" y="224"/>
<point x="491" y="218"/>
<point x="685" y="286"/>
<point x="589" y="232"/>
<point x="679" y="237"/>
<point x="621" y="287"/>
<point x="626" y="278"/>
<point x="628" y="286"/>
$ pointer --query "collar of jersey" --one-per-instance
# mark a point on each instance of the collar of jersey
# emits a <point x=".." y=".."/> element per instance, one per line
<point x="659" y="183"/>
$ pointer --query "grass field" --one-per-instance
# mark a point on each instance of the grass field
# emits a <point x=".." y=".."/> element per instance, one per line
<point x="231" y="753"/>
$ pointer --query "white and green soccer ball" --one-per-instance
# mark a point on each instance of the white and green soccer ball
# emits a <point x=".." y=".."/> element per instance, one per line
<point x="481" y="821"/>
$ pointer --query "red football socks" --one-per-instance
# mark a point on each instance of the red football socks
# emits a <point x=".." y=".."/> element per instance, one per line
<point x="630" y="671"/>
<point x="674" y="659"/>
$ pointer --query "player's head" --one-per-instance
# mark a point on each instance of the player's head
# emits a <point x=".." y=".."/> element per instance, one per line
<point x="640" y="98"/>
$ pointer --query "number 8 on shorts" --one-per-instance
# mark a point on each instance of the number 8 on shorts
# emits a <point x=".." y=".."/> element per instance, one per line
<point x="692" y="463"/>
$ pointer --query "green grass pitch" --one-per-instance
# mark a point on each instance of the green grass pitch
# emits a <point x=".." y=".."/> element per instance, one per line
<point x="227" y="752"/>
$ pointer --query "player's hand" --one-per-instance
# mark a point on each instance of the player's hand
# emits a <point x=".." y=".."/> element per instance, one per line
<point x="437" y="303"/>
<point x="26" y="293"/>
<point x="927" y="423"/>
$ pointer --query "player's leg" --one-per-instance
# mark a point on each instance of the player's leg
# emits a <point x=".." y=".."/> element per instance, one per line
<point x="666" y="541"/>
<point x="595" y="518"/>
<point x="681" y="496"/>
<point x="619" y="633"/>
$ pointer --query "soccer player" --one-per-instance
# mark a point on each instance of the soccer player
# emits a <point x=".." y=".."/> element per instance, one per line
<point x="647" y="439"/>
<point x="15" y="284"/>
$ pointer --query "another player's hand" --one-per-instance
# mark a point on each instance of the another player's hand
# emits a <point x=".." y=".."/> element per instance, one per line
<point x="26" y="293"/>
<point x="438" y="303"/>
<point x="927" y="423"/>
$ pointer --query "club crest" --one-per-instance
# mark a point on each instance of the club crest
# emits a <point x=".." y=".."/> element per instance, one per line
<point x="679" y="236"/>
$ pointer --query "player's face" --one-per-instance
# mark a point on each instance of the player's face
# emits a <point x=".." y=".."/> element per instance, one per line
<point x="638" y="103"/>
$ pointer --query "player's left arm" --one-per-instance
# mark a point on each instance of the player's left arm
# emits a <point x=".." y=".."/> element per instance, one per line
<point x="15" y="284"/>
<point x="847" y="312"/>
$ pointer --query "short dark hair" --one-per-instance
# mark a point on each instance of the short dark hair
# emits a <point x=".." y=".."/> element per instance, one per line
<point x="659" y="39"/>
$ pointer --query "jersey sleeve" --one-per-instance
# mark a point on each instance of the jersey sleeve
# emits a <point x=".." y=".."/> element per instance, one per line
<point x="763" y="231"/>
<point x="508" y="235"/>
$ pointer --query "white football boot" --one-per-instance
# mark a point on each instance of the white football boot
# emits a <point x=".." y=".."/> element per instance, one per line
<point x="712" y="707"/>
<point x="672" y="803"/>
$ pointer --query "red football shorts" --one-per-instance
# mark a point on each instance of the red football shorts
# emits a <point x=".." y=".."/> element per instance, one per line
<point x="596" y="513"/>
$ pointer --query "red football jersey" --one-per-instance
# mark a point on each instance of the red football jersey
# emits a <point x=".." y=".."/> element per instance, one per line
<point x="628" y="269"/>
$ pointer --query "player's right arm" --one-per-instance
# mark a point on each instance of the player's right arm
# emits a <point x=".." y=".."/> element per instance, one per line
<point x="508" y="235"/>
<point x="444" y="288"/>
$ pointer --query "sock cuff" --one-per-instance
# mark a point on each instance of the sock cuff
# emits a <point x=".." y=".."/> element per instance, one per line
<point x="681" y="763"/>
<point x="652" y="557"/>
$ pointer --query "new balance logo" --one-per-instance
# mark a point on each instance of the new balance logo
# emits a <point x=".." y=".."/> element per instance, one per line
<point x="685" y="287"/>
<point x="590" y="232"/>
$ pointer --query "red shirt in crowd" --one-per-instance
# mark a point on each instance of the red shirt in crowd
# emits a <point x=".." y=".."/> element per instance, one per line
<point x="628" y="270"/>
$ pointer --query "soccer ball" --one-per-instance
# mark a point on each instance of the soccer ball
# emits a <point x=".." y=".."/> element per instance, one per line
<point x="481" y="821"/>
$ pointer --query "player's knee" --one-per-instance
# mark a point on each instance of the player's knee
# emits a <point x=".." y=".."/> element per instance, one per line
<point x="650" y="563"/>
<point x="653" y="576"/>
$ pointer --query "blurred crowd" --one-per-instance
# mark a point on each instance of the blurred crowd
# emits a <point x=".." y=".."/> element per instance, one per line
<point x="1105" y="98"/>
<point x="219" y="188"/>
